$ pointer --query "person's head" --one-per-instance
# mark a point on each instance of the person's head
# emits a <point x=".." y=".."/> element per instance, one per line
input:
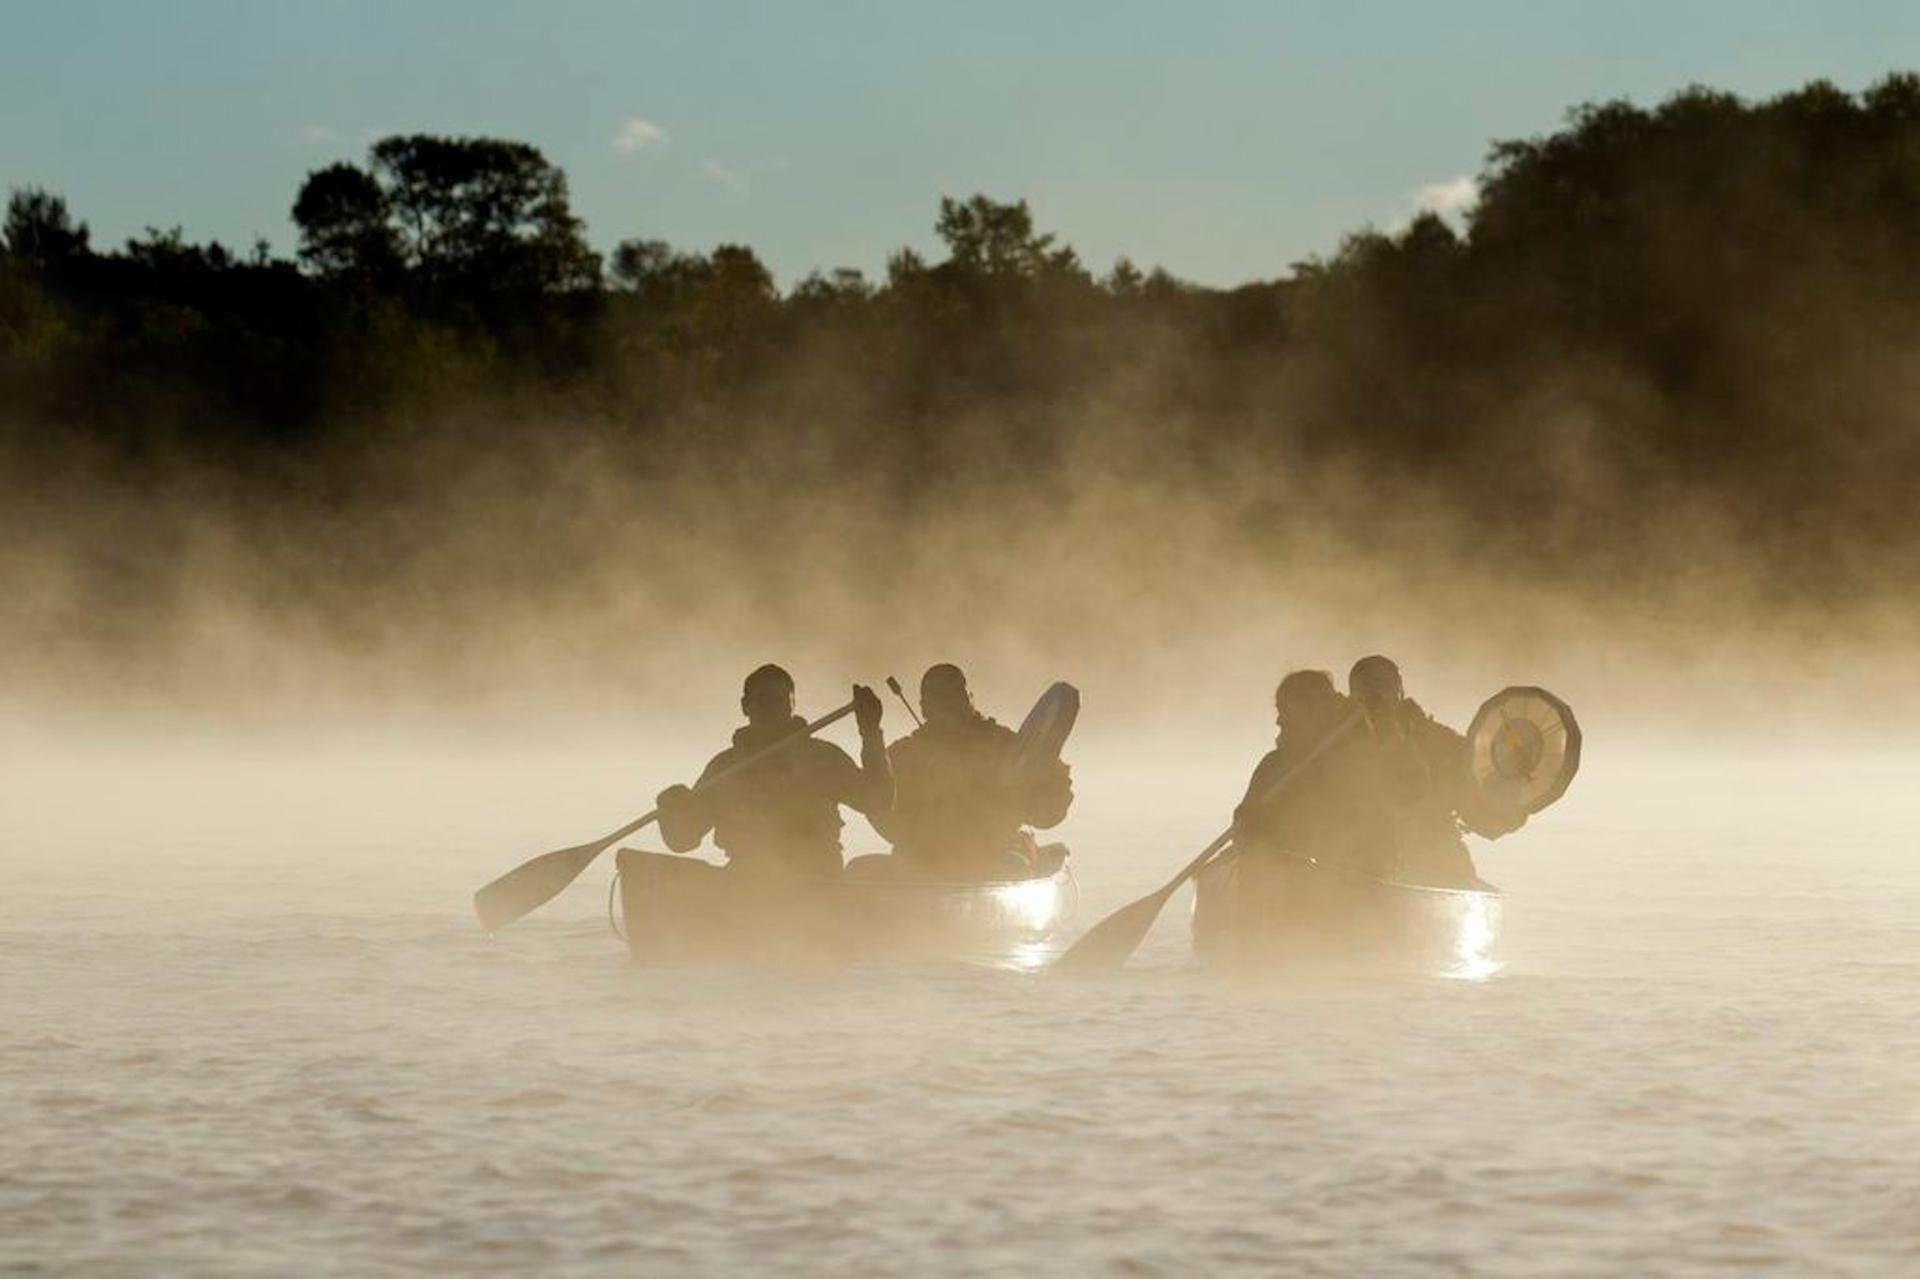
<point x="767" y="696"/>
<point x="943" y="694"/>
<point x="1302" y="699"/>
<point x="1374" y="684"/>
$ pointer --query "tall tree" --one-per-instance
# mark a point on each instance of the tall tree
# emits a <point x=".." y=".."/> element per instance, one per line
<point x="39" y="229"/>
<point x="344" y="230"/>
<point x="465" y="216"/>
<point x="986" y="237"/>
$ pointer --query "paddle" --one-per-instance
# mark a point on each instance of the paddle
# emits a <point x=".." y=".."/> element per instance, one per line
<point x="532" y="884"/>
<point x="1108" y="943"/>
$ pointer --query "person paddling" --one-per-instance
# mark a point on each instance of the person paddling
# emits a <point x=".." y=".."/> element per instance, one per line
<point x="1323" y="812"/>
<point x="781" y="816"/>
<point x="958" y="810"/>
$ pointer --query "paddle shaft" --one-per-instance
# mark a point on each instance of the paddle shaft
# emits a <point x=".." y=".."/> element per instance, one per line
<point x="1108" y="943"/>
<point x="1194" y="867"/>
<point x="531" y="884"/>
<point x="1212" y="850"/>
<point x="733" y="770"/>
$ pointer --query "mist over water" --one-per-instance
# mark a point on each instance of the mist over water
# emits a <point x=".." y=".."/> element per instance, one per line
<point x="251" y="1027"/>
<point x="285" y="687"/>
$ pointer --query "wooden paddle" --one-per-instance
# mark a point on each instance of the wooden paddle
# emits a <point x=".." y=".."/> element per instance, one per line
<point x="532" y="884"/>
<point x="1108" y="943"/>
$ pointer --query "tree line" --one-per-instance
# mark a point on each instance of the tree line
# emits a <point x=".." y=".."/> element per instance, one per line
<point x="1700" y="314"/>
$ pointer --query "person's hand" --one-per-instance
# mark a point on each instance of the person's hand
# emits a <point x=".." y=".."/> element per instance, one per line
<point x="866" y="709"/>
<point x="673" y="797"/>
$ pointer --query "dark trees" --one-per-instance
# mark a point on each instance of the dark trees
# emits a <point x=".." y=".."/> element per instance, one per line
<point x="342" y="213"/>
<point x="461" y="217"/>
<point x="1712" y="299"/>
<point x="987" y="238"/>
<point x="39" y="231"/>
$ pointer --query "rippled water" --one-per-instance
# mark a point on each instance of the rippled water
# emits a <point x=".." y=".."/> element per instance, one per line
<point x="248" y="1027"/>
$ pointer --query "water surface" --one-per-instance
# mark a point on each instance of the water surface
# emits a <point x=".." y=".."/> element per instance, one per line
<point x="250" y="1028"/>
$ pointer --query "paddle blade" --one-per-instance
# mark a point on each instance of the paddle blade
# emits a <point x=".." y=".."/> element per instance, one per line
<point x="532" y="884"/>
<point x="1109" y="943"/>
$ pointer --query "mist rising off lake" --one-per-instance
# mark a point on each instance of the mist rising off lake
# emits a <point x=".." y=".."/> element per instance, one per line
<point x="250" y="1027"/>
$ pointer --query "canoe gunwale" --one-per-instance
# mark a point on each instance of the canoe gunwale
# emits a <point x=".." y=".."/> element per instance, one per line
<point x="1481" y="889"/>
<point x="1278" y="911"/>
<point x="694" y="913"/>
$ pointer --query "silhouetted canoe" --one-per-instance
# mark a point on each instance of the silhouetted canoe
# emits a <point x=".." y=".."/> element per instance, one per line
<point x="679" y="909"/>
<point x="1274" y="912"/>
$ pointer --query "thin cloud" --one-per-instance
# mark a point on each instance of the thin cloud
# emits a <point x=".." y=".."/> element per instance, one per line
<point x="733" y="180"/>
<point x="1456" y="195"/>
<point x="317" y="135"/>
<point x="637" y="135"/>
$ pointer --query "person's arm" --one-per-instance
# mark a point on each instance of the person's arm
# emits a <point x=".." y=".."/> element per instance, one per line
<point x="871" y="790"/>
<point x="687" y="815"/>
<point x="882" y="820"/>
<point x="1048" y="798"/>
<point x="867" y="787"/>
<point x="1442" y="747"/>
<point x="1246" y="816"/>
<point x="1443" y="752"/>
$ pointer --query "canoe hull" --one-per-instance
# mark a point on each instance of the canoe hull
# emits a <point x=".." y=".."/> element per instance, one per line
<point x="682" y="910"/>
<point x="1275" y="913"/>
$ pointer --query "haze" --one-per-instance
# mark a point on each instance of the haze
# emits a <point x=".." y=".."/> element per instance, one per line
<point x="593" y="357"/>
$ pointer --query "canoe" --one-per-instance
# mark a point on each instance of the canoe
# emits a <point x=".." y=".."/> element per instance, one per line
<point x="683" y="910"/>
<point x="1275" y="912"/>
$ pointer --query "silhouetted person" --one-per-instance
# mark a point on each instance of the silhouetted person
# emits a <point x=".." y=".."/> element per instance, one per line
<point x="782" y="815"/>
<point x="1416" y="770"/>
<point x="1319" y="810"/>
<point x="958" y="809"/>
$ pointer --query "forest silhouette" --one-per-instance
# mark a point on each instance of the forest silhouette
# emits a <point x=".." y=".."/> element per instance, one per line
<point x="1661" y="334"/>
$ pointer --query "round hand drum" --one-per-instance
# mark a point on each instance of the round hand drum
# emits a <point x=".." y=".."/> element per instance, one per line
<point x="1523" y="748"/>
<point x="1044" y="732"/>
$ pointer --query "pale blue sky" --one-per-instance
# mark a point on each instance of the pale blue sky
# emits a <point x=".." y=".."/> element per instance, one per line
<point x="1224" y="140"/>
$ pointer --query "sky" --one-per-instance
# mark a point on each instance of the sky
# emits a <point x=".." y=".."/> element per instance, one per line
<point x="1224" y="141"/>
